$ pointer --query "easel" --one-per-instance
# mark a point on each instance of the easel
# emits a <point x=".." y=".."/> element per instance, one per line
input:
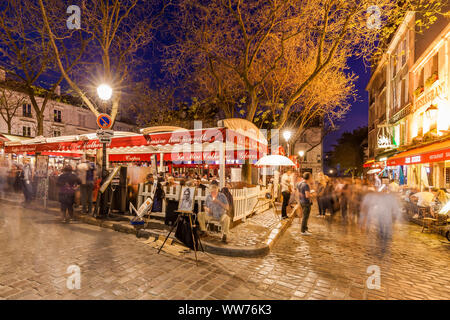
<point x="271" y="202"/>
<point x="183" y="214"/>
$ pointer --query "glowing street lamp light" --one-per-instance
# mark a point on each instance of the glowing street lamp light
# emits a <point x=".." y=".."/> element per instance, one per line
<point x="301" y="153"/>
<point x="287" y="136"/>
<point x="104" y="92"/>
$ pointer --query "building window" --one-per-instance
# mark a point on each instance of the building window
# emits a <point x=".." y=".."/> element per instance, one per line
<point x="81" y="120"/>
<point x="435" y="64"/>
<point x="403" y="90"/>
<point x="57" y="115"/>
<point x="403" y="52"/>
<point x="26" y="131"/>
<point x="26" y="110"/>
<point x="421" y="80"/>
<point x="57" y="133"/>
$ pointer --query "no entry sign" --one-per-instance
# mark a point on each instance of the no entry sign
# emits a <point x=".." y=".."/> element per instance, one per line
<point x="104" y="121"/>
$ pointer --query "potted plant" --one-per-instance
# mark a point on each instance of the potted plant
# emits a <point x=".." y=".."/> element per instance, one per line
<point x="418" y="91"/>
<point x="432" y="79"/>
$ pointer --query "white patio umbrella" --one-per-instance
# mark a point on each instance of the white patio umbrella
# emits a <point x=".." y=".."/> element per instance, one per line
<point x="274" y="160"/>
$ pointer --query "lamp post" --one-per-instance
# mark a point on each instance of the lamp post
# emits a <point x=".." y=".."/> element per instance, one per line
<point x="104" y="92"/>
<point x="287" y="136"/>
<point x="301" y="153"/>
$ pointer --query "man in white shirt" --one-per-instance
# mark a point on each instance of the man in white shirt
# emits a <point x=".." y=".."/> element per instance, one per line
<point x="286" y="192"/>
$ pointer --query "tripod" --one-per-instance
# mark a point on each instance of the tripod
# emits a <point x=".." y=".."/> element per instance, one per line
<point x="180" y="215"/>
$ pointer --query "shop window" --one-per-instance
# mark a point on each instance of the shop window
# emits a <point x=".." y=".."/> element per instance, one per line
<point x="447" y="176"/>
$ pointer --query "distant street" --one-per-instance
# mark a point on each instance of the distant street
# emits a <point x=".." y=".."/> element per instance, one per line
<point x="332" y="263"/>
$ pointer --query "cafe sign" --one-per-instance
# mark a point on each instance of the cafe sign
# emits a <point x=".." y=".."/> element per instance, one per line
<point x="438" y="91"/>
<point x="433" y="156"/>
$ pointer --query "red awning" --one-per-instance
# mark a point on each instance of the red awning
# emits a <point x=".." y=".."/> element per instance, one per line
<point x="190" y="137"/>
<point x="434" y="152"/>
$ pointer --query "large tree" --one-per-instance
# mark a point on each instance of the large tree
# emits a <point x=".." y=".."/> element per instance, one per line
<point x="120" y="31"/>
<point x="270" y="53"/>
<point x="27" y="57"/>
<point x="10" y="102"/>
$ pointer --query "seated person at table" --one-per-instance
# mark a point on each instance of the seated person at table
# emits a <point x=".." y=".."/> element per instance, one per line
<point x="216" y="206"/>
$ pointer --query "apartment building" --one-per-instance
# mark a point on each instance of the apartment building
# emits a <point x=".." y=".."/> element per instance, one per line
<point x="409" y="110"/>
<point x="65" y="117"/>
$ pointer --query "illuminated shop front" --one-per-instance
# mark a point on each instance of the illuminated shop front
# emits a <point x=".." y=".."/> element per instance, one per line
<point x="425" y="167"/>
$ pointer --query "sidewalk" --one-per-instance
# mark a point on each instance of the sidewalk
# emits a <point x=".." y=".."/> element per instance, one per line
<point x="250" y="238"/>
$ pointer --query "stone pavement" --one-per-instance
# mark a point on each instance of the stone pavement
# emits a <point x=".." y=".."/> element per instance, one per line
<point x="330" y="264"/>
<point x="252" y="237"/>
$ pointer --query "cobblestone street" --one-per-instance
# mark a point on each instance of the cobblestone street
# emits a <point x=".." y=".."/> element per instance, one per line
<point x="332" y="263"/>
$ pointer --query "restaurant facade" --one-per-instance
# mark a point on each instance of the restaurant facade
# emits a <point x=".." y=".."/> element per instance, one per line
<point x="409" y="108"/>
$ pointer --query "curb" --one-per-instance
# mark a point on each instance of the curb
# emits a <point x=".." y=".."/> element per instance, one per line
<point x="230" y="251"/>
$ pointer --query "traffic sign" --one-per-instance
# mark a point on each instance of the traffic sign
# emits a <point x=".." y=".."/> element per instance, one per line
<point x="105" y="140"/>
<point x="104" y="121"/>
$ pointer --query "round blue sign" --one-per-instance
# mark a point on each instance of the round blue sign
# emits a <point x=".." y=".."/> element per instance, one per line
<point x="104" y="121"/>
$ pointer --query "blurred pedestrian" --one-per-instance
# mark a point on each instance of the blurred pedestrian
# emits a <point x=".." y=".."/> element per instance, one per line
<point x="27" y="178"/>
<point x="86" y="173"/>
<point x="67" y="183"/>
<point x="379" y="211"/>
<point x="3" y="177"/>
<point x="286" y="190"/>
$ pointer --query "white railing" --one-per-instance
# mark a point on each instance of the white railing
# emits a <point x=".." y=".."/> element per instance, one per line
<point x="245" y="200"/>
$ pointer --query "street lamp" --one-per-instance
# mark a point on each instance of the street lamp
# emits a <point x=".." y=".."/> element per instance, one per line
<point x="287" y="136"/>
<point x="104" y="92"/>
<point x="301" y="153"/>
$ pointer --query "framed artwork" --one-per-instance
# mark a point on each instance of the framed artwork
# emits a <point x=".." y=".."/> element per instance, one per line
<point x="187" y="196"/>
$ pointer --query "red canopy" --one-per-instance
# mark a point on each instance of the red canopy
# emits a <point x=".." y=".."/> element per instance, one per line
<point x="178" y="142"/>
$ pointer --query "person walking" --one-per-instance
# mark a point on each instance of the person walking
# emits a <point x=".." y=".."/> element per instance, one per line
<point x="305" y="201"/>
<point x="67" y="183"/>
<point x="320" y="187"/>
<point x="27" y="177"/>
<point x="286" y="192"/>
<point x="85" y="172"/>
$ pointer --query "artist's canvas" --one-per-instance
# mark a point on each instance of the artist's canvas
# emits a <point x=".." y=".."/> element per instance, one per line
<point x="187" y="196"/>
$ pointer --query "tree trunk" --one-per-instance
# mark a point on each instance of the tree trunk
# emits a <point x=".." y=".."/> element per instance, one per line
<point x="9" y="127"/>
<point x="40" y="124"/>
<point x="253" y="104"/>
<point x="247" y="172"/>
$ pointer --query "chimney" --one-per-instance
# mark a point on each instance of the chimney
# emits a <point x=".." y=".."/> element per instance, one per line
<point x="58" y="90"/>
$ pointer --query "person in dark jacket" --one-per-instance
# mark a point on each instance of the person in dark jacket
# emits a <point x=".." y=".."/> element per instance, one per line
<point x="226" y="191"/>
<point x="67" y="184"/>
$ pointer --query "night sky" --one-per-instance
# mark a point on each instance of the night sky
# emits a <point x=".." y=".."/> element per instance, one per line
<point x="358" y="114"/>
